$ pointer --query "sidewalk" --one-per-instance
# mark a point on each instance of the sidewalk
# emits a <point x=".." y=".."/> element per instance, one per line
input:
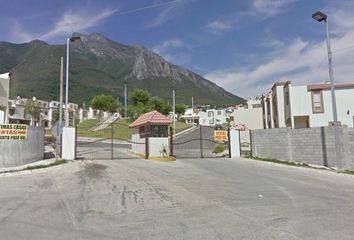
<point x="15" y="170"/>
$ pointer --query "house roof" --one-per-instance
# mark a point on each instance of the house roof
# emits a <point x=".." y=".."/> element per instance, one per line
<point x="327" y="86"/>
<point x="151" y="118"/>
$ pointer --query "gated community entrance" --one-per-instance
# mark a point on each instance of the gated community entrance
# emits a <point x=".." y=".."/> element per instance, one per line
<point x="150" y="136"/>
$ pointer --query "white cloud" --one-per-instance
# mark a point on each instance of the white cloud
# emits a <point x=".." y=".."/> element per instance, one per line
<point x="18" y="34"/>
<point x="269" y="7"/>
<point x="218" y="26"/>
<point x="71" y="21"/>
<point x="299" y="61"/>
<point x="167" y="49"/>
<point x="171" y="11"/>
<point x="77" y="21"/>
<point x="259" y="11"/>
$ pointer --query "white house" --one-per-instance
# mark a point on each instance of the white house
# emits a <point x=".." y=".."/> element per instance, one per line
<point x="249" y="115"/>
<point x="4" y="97"/>
<point x="191" y="115"/>
<point x="212" y="117"/>
<point x="311" y="105"/>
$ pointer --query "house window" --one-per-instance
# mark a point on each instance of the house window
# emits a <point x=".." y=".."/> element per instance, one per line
<point x="317" y="102"/>
<point x="256" y="105"/>
<point x="210" y="114"/>
<point x="219" y="112"/>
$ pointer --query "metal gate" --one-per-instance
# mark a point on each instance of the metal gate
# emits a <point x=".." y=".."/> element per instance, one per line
<point x="113" y="142"/>
<point x="245" y="142"/>
<point x="197" y="142"/>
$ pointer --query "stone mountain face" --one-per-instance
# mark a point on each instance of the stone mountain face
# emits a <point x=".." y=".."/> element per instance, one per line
<point x="99" y="65"/>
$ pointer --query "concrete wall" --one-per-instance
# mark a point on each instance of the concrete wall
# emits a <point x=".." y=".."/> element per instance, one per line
<point x="16" y="152"/>
<point x="156" y="145"/>
<point x="68" y="143"/>
<point x="308" y="145"/>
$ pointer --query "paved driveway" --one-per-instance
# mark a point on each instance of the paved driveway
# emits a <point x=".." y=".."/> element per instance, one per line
<point x="186" y="199"/>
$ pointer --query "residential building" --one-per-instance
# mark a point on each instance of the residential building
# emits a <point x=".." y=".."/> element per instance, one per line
<point x="4" y="97"/>
<point x="191" y="115"/>
<point x="249" y="115"/>
<point x="212" y="117"/>
<point x="311" y="105"/>
<point x="46" y="116"/>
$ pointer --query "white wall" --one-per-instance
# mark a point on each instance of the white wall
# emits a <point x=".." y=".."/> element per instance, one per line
<point x="20" y="152"/>
<point x="280" y="101"/>
<point x="252" y="118"/>
<point x="2" y="117"/>
<point x="156" y="145"/>
<point x="301" y="104"/>
<point x="68" y="143"/>
<point x="235" y="143"/>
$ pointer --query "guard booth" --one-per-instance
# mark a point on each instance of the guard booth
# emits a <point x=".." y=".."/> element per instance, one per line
<point x="151" y="128"/>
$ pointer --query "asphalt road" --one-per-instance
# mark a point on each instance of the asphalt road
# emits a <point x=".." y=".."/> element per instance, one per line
<point x="186" y="199"/>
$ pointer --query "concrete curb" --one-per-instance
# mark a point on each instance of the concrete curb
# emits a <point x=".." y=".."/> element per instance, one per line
<point x="10" y="171"/>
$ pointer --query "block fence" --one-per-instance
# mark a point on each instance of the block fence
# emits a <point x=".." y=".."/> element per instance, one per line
<point x="306" y="145"/>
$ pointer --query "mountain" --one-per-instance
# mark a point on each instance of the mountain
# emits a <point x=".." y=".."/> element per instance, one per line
<point x="99" y="65"/>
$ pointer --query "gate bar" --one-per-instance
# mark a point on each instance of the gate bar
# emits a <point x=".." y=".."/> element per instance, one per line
<point x="201" y="141"/>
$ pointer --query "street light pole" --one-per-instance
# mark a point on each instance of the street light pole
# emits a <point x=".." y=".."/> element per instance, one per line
<point x="193" y="110"/>
<point x="319" y="16"/>
<point x="68" y="40"/>
<point x="125" y="99"/>
<point x="174" y="111"/>
<point x="67" y="84"/>
<point x="61" y="93"/>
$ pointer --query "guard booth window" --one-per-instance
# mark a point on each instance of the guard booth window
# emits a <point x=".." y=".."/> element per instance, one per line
<point x="158" y="131"/>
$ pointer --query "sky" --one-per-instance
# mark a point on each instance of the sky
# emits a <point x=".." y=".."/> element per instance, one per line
<point x="244" y="46"/>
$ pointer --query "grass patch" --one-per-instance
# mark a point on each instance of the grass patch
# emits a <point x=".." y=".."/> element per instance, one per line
<point x="57" y="162"/>
<point x="274" y="160"/>
<point x="351" y="172"/>
<point x="219" y="148"/>
<point x="181" y="126"/>
<point x="120" y="129"/>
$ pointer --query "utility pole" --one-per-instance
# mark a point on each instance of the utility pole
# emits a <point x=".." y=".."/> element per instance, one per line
<point x="125" y="99"/>
<point x="193" y="110"/>
<point x="61" y="92"/>
<point x="174" y="111"/>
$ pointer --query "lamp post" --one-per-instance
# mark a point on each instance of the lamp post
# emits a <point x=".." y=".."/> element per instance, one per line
<point x="125" y="99"/>
<point x="320" y="17"/>
<point x="174" y="111"/>
<point x="68" y="40"/>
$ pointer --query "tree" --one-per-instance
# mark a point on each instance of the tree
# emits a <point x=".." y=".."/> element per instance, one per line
<point x="139" y="95"/>
<point x="33" y="109"/>
<point x="105" y="103"/>
<point x="180" y="109"/>
<point x="159" y="105"/>
<point x="142" y="102"/>
<point x="55" y="116"/>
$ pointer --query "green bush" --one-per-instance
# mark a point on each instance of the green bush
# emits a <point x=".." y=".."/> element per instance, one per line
<point x="219" y="148"/>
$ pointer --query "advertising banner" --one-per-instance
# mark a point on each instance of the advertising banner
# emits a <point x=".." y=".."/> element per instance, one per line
<point x="13" y="132"/>
<point x="220" y="135"/>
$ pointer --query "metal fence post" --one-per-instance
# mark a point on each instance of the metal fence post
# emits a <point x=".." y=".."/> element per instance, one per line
<point x="146" y="143"/>
<point x="111" y="141"/>
<point x="171" y="141"/>
<point x="229" y="141"/>
<point x="201" y="141"/>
